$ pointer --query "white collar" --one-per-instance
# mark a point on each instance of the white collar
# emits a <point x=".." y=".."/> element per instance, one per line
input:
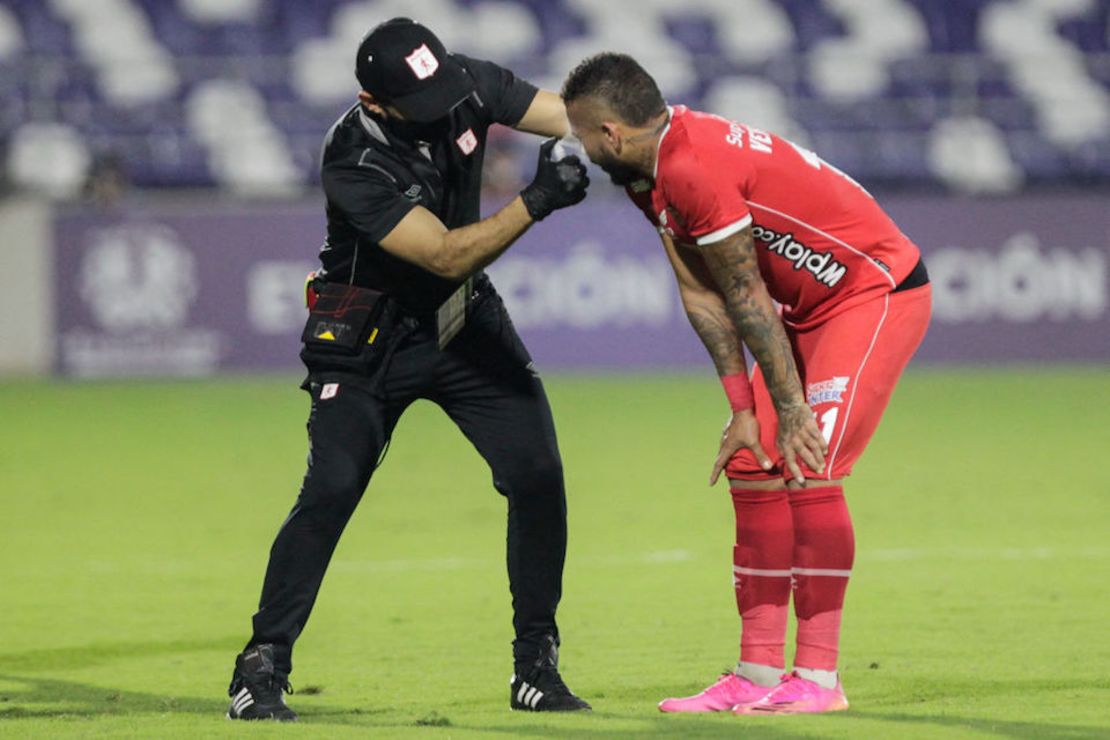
<point x="659" y="144"/>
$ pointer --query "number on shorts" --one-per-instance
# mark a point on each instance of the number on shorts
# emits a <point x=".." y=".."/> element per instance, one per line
<point x="828" y="421"/>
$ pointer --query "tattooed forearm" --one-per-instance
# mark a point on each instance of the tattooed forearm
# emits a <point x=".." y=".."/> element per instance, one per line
<point x="714" y="327"/>
<point x="732" y="263"/>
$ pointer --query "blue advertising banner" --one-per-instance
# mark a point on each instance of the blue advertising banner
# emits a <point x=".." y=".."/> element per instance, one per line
<point x="194" y="290"/>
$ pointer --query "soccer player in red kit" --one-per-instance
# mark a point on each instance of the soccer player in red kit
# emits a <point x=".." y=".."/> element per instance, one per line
<point x="749" y="219"/>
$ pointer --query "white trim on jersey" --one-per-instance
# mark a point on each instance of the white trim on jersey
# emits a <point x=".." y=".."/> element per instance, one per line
<point x="828" y="236"/>
<point x="659" y="144"/>
<point x="723" y="233"/>
<point x="855" y="388"/>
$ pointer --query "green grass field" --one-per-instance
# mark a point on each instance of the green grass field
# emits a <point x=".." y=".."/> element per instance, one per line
<point x="136" y="519"/>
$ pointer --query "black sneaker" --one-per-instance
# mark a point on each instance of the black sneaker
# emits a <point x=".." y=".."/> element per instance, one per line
<point x="540" y="688"/>
<point x="257" y="686"/>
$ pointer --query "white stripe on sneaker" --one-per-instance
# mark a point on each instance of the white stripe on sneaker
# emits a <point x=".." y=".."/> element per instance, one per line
<point x="520" y="694"/>
<point x="242" y="700"/>
<point x="536" y="699"/>
<point x="528" y="697"/>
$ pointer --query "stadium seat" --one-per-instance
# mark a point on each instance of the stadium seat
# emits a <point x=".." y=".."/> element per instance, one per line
<point x="114" y="36"/>
<point x="48" y="158"/>
<point x="970" y="154"/>
<point x="855" y="67"/>
<point x="872" y="85"/>
<point x="1072" y="108"/>
<point x="221" y="11"/>
<point x="11" y="35"/>
<point x="757" y="102"/>
<point x="246" y="153"/>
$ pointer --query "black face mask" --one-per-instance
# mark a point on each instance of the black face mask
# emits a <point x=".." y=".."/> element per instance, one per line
<point x="411" y="131"/>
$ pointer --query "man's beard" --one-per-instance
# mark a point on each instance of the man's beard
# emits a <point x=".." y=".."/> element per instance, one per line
<point x="619" y="172"/>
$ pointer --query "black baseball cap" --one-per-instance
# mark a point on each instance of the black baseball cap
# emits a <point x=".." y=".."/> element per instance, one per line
<point x="405" y="65"/>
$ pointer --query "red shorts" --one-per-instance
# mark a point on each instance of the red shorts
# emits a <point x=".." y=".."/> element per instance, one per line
<point x="849" y="366"/>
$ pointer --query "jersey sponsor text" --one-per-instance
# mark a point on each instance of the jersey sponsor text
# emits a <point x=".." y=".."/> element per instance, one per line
<point x="824" y="268"/>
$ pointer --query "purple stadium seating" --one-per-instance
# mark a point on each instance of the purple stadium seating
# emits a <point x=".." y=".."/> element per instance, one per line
<point x="883" y="140"/>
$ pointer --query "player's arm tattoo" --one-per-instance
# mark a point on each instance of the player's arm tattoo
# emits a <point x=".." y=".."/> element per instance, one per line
<point x="714" y="327"/>
<point x="732" y="263"/>
<point x="705" y="308"/>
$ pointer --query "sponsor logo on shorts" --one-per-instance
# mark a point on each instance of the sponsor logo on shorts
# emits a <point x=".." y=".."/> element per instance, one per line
<point x="821" y="265"/>
<point x="329" y="390"/>
<point x="827" y="391"/>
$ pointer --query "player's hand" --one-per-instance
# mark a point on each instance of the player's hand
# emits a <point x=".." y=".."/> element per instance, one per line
<point x="742" y="432"/>
<point x="557" y="184"/>
<point x="799" y="437"/>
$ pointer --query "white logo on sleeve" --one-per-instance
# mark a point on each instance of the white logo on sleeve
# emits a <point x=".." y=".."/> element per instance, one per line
<point x="422" y="62"/>
<point x="330" y="390"/>
<point x="663" y="228"/>
<point x="467" y="142"/>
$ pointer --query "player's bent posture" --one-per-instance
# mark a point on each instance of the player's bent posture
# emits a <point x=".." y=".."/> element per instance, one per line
<point x="401" y="311"/>
<point x="748" y="218"/>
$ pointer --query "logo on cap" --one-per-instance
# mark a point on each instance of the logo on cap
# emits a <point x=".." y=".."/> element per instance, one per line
<point x="422" y="62"/>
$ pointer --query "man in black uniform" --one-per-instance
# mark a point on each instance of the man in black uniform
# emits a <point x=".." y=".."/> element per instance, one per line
<point x="402" y="310"/>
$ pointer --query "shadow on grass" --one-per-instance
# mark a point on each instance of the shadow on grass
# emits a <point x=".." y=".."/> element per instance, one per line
<point x="87" y="656"/>
<point x="51" y="697"/>
<point x="47" y="698"/>
<point x="1002" y="728"/>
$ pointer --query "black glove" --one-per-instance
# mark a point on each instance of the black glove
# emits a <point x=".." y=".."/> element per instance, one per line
<point x="556" y="185"/>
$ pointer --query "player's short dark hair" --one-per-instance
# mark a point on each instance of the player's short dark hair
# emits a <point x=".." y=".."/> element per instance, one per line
<point x="621" y="82"/>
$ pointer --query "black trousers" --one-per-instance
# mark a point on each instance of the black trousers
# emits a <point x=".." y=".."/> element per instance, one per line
<point x="485" y="382"/>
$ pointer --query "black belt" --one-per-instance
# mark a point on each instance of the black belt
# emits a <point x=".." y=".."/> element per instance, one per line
<point x="918" y="276"/>
<point x="427" y="317"/>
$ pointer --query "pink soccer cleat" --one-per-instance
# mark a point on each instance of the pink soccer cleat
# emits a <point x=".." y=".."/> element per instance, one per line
<point x="797" y="695"/>
<point x="729" y="692"/>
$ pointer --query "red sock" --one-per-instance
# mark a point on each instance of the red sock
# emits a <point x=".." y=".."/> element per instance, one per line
<point x="824" y="548"/>
<point x="762" y="560"/>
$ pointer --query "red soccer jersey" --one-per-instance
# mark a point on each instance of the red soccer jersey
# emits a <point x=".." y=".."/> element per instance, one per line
<point x="822" y="241"/>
